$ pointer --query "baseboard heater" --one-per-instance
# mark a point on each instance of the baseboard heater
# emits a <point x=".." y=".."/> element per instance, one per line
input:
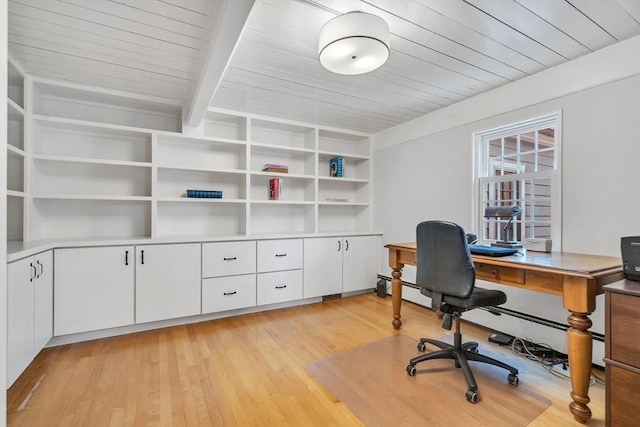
<point x="520" y="315"/>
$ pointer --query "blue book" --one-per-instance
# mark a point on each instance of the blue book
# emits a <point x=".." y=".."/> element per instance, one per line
<point x="335" y="167"/>
<point x="204" y="194"/>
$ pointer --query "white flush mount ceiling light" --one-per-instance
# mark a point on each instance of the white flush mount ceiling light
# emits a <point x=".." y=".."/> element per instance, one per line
<point x="354" y="43"/>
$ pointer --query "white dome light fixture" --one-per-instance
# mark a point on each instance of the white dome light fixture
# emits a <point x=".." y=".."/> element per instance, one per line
<point x="354" y="43"/>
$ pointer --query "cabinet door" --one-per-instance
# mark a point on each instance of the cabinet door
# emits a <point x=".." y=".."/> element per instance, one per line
<point x="43" y="300"/>
<point x="20" y="291"/>
<point x="359" y="263"/>
<point x="322" y="266"/>
<point x="167" y="281"/>
<point x="93" y="289"/>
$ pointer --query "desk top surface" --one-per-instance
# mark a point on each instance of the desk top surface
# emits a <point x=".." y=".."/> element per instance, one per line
<point x="592" y="265"/>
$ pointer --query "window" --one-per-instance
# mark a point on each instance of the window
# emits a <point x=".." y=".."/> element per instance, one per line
<point x="518" y="164"/>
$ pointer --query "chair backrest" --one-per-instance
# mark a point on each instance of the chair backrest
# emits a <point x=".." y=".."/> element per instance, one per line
<point x="444" y="263"/>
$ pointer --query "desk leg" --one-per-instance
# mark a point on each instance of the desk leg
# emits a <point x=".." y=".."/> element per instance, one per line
<point x="396" y="296"/>
<point x="579" y="343"/>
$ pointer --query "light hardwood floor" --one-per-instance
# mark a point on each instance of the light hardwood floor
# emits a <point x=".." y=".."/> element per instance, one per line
<point x="241" y="371"/>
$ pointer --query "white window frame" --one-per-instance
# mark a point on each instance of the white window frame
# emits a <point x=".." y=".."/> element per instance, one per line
<point x="481" y="172"/>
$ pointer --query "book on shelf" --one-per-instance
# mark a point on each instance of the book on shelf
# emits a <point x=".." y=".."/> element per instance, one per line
<point x="337" y="199"/>
<point x="335" y="167"/>
<point x="275" y="188"/>
<point x="271" y="167"/>
<point x="204" y="194"/>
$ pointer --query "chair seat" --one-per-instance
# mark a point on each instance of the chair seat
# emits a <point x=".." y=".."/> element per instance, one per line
<point x="480" y="297"/>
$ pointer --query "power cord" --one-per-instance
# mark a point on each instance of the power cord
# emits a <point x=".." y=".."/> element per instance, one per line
<point x="547" y="357"/>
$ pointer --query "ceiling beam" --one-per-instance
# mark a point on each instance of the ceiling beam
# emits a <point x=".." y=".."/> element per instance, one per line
<point x="226" y="36"/>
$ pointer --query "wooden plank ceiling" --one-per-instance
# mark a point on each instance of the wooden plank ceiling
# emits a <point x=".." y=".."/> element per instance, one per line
<point x="442" y="51"/>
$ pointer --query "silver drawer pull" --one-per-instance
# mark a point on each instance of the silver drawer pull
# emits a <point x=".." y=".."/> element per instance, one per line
<point x="281" y="287"/>
<point x="280" y="255"/>
<point x="233" y="258"/>
<point x="229" y="293"/>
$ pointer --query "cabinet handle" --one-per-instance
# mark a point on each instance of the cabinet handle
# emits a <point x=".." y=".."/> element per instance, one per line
<point x="233" y="258"/>
<point x="494" y="271"/>
<point x="280" y="255"/>
<point x="281" y="287"/>
<point x="339" y="245"/>
<point x="346" y="247"/>
<point x="35" y="272"/>
<point x="126" y="257"/>
<point x="229" y="293"/>
<point x="41" y="269"/>
<point x="141" y="257"/>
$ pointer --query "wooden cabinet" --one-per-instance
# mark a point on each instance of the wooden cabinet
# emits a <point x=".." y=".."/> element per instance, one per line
<point x="334" y="265"/>
<point x="622" y="360"/>
<point x="29" y="311"/>
<point x="94" y="288"/>
<point x="167" y="281"/>
<point x="228" y="276"/>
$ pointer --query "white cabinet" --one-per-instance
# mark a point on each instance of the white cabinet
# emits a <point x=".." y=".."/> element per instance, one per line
<point x="279" y="270"/>
<point x="359" y="263"/>
<point x="94" y="288"/>
<point x="228" y="258"/>
<point x="322" y="266"/>
<point x="279" y="286"/>
<point x="167" y="281"/>
<point x="228" y="293"/>
<point x="277" y="255"/>
<point x="29" y="311"/>
<point x="334" y="265"/>
<point x="228" y="276"/>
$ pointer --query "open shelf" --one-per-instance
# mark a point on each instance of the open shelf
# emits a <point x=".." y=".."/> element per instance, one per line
<point x="203" y="218"/>
<point x="72" y="101"/>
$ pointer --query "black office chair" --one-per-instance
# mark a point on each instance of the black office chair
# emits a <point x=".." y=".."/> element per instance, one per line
<point x="445" y="272"/>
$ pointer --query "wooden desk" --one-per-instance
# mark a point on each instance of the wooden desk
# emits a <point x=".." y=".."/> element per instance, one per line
<point x="577" y="278"/>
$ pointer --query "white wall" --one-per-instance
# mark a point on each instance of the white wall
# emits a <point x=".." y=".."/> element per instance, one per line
<point x="423" y="169"/>
<point x="3" y="211"/>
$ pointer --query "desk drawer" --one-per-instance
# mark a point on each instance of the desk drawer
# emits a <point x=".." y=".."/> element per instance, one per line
<point x="494" y="273"/>
<point x="624" y="312"/>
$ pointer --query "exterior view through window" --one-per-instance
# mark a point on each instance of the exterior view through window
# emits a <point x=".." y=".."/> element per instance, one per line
<point x="518" y="165"/>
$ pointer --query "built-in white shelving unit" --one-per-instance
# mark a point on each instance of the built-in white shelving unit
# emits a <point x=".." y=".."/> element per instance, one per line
<point x="91" y="163"/>
<point x="16" y="155"/>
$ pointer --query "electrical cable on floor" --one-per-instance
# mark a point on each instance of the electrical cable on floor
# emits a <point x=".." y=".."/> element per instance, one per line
<point x="547" y="357"/>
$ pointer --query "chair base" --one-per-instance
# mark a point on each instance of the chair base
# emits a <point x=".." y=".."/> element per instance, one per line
<point x="461" y="354"/>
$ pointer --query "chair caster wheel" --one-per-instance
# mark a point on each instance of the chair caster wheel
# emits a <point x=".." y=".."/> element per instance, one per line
<point x="421" y="346"/>
<point x="411" y="370"/>
<point x="471" y="395"/>
<point x="513" y="379"/>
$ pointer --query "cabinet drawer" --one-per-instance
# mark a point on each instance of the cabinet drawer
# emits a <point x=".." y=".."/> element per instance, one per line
<point x="495" y="273"/>
<point x="228" y="293"/>
<point x="228" y="258"/>
<point x="622" y="388"/>
<point x="276" y="255"/>
<point x="625" y="323"/>
<point x="279" y="286"/>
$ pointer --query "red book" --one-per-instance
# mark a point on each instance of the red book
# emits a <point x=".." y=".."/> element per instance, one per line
<point x="275" y="188"/>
